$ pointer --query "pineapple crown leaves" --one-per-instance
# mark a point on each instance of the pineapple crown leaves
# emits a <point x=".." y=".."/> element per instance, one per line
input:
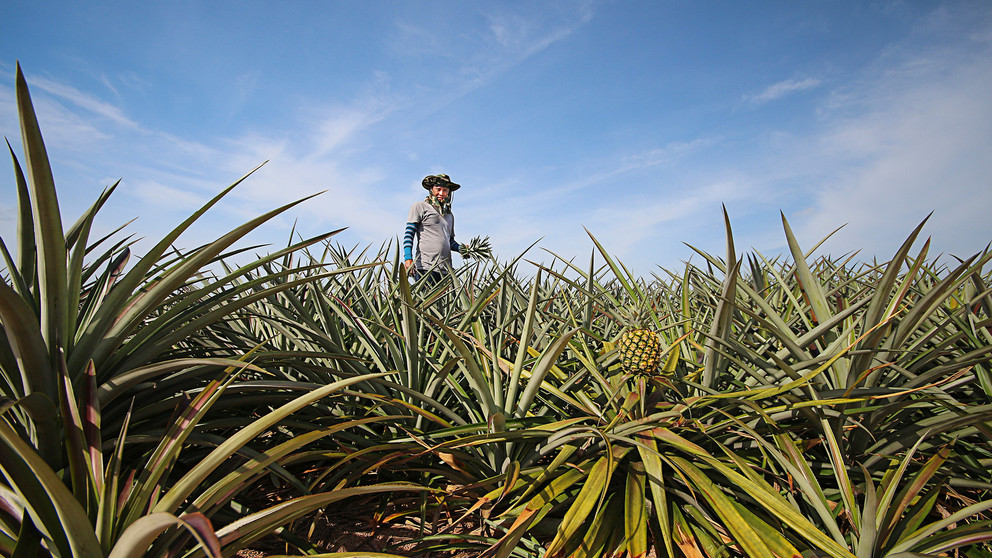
<point x="478" y="248"/>
<point x="639" y="313"/>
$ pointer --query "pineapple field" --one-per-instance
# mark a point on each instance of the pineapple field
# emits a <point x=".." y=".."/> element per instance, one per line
<point x="174" y="403"/>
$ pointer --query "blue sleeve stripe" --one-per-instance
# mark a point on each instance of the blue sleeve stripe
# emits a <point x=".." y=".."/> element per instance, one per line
<point x="455" y="246"/>
<point x="411" y="228"/>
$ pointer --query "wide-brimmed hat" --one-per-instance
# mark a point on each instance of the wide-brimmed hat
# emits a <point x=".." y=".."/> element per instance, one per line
<point x="439" y="180"/>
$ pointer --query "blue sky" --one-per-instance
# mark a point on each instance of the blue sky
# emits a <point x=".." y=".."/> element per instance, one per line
<point x="636" y="120"/>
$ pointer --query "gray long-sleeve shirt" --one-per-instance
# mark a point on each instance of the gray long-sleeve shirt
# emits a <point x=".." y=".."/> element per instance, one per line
<point x="435" y="235"/>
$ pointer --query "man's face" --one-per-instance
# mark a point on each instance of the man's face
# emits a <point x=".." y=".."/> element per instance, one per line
<point x="441" y="192"/>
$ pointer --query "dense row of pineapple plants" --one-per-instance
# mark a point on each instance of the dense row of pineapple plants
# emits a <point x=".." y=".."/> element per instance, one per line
<point x="739" y="407"/>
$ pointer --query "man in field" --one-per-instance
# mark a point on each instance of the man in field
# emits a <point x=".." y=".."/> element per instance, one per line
<point x="433" y="225"/>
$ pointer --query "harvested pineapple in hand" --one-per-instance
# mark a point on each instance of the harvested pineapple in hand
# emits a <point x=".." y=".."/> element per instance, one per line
<point x="477" y="248"/>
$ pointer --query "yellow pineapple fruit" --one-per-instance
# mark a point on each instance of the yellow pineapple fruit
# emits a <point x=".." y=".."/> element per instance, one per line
<point x="638" y="347"/>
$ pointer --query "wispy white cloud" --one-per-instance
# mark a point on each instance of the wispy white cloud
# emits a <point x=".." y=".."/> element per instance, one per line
<point x="476" y="59"/>
<point x="8" y="111"/>
<point x="339" y="126"/>
<point x="782" y="89"/>
<point x="627" y="225"/>
<point x="913" y="141"/>
<point x="62" y="126"/>
<point x="613" y="170"/>
<point x="524" y="35"/>
<point x="668" y="154"/>
<point x="164" y="198"/>
<point x="83" y="100"/>
<point x="166" y="176"/>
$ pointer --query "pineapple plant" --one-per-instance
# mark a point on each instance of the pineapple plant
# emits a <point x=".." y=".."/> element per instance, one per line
<point x="638" y="347"/>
